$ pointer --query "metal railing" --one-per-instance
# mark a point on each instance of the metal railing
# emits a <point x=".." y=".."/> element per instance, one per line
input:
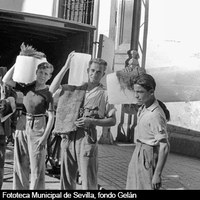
<point x="77" y="10"/>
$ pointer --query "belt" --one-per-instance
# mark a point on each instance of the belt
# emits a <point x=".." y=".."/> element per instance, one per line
<point x="32" y="117"/>
<point x="155" y="148"/>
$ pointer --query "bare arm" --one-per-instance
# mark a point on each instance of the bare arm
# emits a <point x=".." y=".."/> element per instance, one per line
<point x="162" y="157"/>
<point x="110" y="121"/>
<point x="49" y="126"/>
<point x="8" y="77"/>
<point x="57" y="80"/>
<point x="86" y="121"/>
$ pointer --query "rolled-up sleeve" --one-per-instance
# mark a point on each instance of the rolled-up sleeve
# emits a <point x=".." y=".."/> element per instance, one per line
<point x="159" y="127"/>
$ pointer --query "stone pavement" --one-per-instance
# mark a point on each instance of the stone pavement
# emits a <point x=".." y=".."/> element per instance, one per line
<point x="180" y="172"/>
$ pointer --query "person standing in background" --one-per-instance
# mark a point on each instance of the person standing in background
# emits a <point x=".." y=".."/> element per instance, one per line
<point x="7" y="108"/>
<point x="151" y="138"/>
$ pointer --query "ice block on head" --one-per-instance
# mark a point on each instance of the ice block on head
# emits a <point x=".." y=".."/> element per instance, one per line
<point x="25" y="68"/>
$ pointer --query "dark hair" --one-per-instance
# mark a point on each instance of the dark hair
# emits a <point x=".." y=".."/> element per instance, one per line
<point x="98" y="61"/>
<point x="166" y="111"/>
<point x="45" y="65"/>
<point x="146" y="81"/>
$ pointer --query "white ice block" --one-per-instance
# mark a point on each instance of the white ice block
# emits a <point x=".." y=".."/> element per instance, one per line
<point x="173" y="84"/>
<point x="25" y="68"/>
<point x="78" y="69"/>
<point x="115" y="94"/>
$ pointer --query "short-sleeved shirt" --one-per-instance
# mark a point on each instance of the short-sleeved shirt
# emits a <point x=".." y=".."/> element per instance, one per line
<point x="35" y="101"/>
<point x="98" y="97"/>
<point x="151" y="124"/>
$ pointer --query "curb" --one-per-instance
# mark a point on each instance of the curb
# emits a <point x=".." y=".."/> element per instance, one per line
<point x="187" y="145"/>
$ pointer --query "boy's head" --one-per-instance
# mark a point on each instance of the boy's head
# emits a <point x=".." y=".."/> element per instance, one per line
<point x="144" y="87"/>
<point x="146" y="81"/>
<point x="46" y="65"/>
<point x="44" y="72"/>
<point x="96" y="69"/>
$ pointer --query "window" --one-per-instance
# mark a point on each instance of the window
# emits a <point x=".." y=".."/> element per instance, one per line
<point x="77" y="10"/>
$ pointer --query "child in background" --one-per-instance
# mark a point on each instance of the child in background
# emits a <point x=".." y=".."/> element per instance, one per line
<point x="7" y="108"/>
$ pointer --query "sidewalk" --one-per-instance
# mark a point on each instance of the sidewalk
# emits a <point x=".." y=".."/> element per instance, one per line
<point x="180" y="172"/>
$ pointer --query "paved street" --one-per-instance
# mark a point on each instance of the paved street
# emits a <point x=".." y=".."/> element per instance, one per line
<point x="180" y="172"/>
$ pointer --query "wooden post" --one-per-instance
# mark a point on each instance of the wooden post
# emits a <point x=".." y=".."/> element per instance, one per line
<point x="146" y="19"/>
<point x="96" y="24"/>
<point x="135" y="25"/>
<point x="135" y="32"/>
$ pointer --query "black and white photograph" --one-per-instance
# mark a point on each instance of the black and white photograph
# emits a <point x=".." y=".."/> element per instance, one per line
<point x="99" y="98"/>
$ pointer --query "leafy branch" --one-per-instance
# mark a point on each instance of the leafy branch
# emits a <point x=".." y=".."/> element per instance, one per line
<point x="27" y="50"/>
